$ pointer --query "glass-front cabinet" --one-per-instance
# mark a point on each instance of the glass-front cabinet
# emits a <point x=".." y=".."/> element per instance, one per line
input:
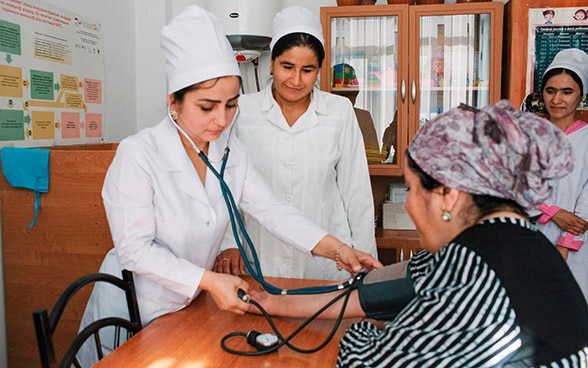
<point x="407" y="64"/>
<point x="458" y="54"/>
<point x="366" y="47"/>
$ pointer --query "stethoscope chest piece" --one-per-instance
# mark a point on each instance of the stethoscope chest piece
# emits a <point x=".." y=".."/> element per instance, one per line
<point x="262" y="341"/>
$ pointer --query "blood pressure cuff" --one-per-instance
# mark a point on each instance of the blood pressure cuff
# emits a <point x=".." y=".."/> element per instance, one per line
<point x="384" y="292"/>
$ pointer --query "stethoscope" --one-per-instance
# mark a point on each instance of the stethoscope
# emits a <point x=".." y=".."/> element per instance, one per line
<point x="265" y="343"/>
<point x="237" y="222"/>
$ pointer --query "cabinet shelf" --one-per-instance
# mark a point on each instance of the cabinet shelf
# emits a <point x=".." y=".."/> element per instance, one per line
<point x="454" y="89"/>
<point x="384" y="170"/>
<point x="396" y="245"/>
<point x="388" y="88"/>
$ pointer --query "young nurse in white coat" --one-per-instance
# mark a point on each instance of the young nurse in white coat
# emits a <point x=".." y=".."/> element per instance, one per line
<point x="308" y="146"/>
<point x="564" y="218"/>
<point x="165" y="207"/>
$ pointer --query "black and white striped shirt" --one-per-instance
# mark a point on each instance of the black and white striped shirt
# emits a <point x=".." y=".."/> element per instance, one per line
<point x="499" y="295"/>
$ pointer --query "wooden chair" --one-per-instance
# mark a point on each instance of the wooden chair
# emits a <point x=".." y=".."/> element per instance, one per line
<point x="45" y="323"/>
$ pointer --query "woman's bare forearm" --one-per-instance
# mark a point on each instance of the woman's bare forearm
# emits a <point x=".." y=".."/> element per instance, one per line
<point x="303" y="306"/>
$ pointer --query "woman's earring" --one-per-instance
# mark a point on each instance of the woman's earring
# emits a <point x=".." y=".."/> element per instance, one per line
<point x="174" y="115"/>
<point x="446" y="216"/>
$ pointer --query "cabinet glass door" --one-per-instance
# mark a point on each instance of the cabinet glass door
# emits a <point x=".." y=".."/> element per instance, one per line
<point x="363" y="57"/>
<point x="455" y="62"/>
<point x="365" y="63"/>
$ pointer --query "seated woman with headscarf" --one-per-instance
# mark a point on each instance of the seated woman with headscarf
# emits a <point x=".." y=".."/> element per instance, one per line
<point x="489" y="289"/>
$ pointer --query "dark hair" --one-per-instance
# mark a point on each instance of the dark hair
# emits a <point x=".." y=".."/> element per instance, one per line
<point x="297" y="40"/>
<point x="178" y="96"/>
<point x="485" y="204"/>
<point x="556" y="71"/>
<point x="427" y="182"/>
<point x="549" y="11"/>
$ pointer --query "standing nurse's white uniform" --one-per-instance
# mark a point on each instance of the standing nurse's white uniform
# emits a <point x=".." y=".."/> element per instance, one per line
<point x="317" y="166"/>
<point x="571" y="194"/>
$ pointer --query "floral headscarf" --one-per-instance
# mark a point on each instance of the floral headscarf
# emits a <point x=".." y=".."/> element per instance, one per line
<point x="497" y="151"/>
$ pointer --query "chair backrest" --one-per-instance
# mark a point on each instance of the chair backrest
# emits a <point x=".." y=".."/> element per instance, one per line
<point x="45" y="323"/>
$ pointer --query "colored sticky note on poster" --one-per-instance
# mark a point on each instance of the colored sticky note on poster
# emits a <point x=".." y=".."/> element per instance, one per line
<point x="42" y="85"/>
<point x="43" y="124"/>
<point x="69" y="83"/>
<point x="11" y="125"/>
<point x="93" y="91"/>
<point x="93" y="125"/>
<point x="74" y="101"/>
<point x="70" y="125"/>
<point x="10" y="81"/>
<point x="10" y="38"/>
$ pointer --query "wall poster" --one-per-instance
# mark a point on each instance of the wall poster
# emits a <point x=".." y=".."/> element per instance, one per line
<point x="51" y="76"/>
<point x="550" y="31"/>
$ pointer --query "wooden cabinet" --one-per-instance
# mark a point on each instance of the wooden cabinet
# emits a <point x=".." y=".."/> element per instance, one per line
<point x="406" y="64"/>
<point x="396" y="245"/>
<point x="366" y="54"/>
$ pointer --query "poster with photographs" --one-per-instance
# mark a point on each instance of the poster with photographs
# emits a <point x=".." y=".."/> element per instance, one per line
<point x="550" y="31"/>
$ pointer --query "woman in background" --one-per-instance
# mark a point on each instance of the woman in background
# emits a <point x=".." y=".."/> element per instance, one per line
<point x="565" y="213"/>
<point x="308" y="146"/>
<point x="489" y="290"/>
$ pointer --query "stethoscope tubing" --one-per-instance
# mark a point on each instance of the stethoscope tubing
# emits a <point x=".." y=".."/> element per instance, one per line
<point x="285" y="340"/>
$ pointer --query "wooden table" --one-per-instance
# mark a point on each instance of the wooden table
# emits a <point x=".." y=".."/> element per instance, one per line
<point x="190" y="338"/>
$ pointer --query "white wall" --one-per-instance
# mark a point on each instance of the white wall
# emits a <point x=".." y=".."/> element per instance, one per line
<point x="151" y="16"/>
<point x="118" y="28"/>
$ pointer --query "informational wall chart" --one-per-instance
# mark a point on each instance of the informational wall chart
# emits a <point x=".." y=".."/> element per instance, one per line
<point x="550" y="31"/>
<point x="51" y="76"/>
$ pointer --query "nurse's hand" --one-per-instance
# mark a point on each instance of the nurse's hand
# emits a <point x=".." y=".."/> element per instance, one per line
<point x="223" y="288"/>
<point x="570" y="222"/>
<point x="231" y="262"/>
<point x="353" y="260"/>
<point x="345" y="257"/>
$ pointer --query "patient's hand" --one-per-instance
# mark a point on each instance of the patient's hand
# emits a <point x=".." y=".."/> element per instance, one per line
<point x="265" y="299"/>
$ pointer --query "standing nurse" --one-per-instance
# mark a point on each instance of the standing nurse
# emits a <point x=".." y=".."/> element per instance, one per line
<point x="564" y="217"/>
<point x="308" y="146"/>
<point x="165" y="209"/>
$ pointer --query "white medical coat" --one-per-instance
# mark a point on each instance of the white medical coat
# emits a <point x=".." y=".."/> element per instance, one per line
<point x="318" y="166"/>
<point x="167" y="226"/>
<point x="571" y="193"/>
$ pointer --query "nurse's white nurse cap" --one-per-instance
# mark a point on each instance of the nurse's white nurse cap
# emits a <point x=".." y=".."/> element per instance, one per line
<point x="575" y="60"/>
<point x="196" y="49"/>
<point x="296" y="19"/>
